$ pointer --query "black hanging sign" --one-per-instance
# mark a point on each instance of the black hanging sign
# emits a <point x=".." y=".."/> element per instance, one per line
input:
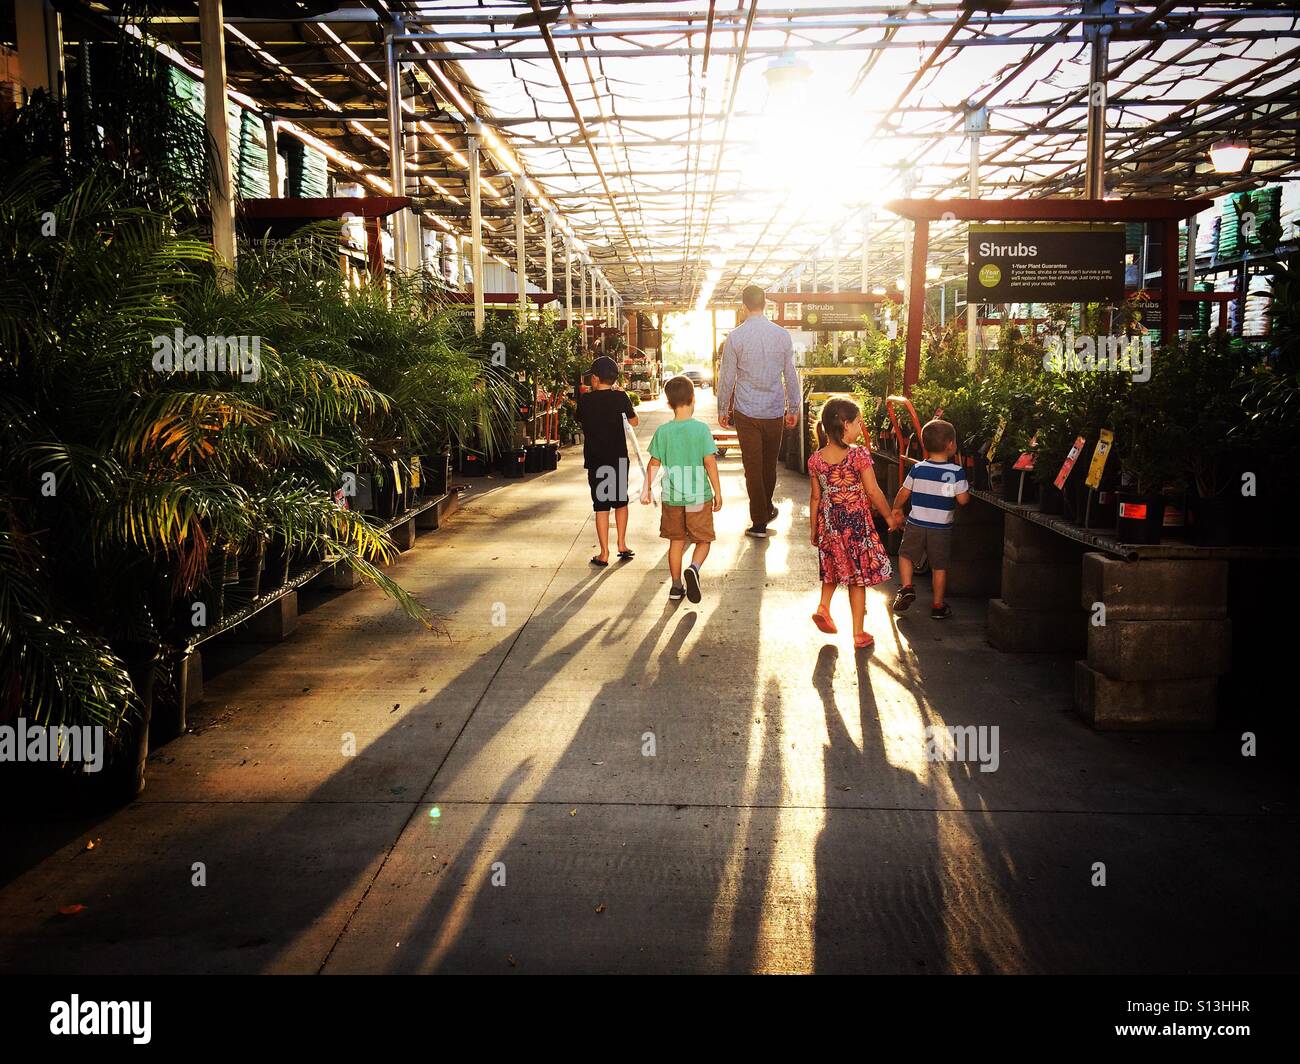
<point x="1046" y="263"/>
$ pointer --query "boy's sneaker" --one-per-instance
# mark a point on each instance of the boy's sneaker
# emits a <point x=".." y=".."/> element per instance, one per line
<point x="905" y="597"/>
<point x="773" y="514"/>
<point x="692" y="578"/>
<point x="941" y="612"/>
<point x="757" y="531"/>
<point x="676" y="593"/>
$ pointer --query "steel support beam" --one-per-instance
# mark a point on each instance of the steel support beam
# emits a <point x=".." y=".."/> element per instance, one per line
<point x="521" y="262"/>
<point x="476" y="232"/>
<point x="396" y="145"/>
<point x="550" y="271"/>
<point x="221" y="183"/>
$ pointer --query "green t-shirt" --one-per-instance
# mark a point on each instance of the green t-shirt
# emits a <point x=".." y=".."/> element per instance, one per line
<point x="681" y="447"/>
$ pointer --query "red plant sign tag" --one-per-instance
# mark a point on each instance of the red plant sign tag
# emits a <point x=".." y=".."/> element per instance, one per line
<point x="1068" y="464"/>
<point x="1025" y="461"/>
<point x="1133" y="511"/>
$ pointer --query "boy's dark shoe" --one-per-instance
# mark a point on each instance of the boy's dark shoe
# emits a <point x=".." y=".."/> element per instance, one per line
<point x="676" y="593"/>
<point x="757" y="531"/>
<point x="692" y="579"/>
<point x="773" y="514"/>
<point x="905" y="597"/>
<point x="941" y="612"/>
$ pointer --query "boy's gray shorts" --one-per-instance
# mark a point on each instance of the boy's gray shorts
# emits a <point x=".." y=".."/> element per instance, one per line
<point x="934" y="543"/>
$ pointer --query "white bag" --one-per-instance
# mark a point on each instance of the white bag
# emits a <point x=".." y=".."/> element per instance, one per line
<point x="636" y="473"/>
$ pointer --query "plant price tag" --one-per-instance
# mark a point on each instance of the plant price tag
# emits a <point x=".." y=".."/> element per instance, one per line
<point x="1068" y="464"/>
<point x="997" y="438"/>
<point x="1099" y="455"/>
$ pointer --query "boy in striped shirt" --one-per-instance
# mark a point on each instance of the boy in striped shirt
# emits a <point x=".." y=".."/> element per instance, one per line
<point x="936" y="488"/>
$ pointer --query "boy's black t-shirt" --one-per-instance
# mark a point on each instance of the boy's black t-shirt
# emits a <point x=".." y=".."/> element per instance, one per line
<point x="601" y="416"/>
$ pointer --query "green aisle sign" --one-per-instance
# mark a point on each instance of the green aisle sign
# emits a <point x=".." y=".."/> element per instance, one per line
<point x="835" y="317"/>
<point x="1046" y="263"/>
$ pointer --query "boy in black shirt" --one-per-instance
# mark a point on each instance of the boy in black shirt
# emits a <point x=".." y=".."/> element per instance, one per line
<point x="604" y="453"/>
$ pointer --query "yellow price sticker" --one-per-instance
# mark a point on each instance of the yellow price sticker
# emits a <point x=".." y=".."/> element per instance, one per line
<point x="997" y="438"/>
<point x="1099" y="455"/>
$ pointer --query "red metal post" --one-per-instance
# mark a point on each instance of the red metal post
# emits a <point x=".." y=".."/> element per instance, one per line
<point x="916" y="304"/>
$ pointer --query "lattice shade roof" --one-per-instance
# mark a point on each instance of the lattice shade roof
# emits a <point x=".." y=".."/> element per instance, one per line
<point x="685" y="155"/>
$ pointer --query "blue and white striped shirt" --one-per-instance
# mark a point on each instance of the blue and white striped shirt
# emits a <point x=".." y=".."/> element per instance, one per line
<point x="934" y="487"/>
<point x="756" y="358"/>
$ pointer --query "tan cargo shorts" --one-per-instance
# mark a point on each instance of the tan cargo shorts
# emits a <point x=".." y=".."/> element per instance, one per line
<point x="687" y="522"/>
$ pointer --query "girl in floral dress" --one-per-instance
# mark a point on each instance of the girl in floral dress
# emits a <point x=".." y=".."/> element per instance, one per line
<point x="844" y="489"/>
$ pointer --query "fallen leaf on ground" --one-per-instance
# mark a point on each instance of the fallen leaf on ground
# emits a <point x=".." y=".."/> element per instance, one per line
<point x="601" y="907"/>
<point x="71" y="910"/>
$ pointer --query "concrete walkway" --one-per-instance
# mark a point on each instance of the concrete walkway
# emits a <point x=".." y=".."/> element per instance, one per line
<point x="580" y="776"/>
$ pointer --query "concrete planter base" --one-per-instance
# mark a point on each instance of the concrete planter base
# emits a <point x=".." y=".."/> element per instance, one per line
<point x="1159" y="638"/>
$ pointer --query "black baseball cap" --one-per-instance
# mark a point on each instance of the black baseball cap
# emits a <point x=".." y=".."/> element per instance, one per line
<point x="605" y="368"/>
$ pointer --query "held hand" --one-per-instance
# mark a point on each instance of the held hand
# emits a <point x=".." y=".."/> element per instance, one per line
<point x="717" y="503"/>
<point x="791" y="420"/>
<point x="724" y="421"/>
<point x="645" y="497"/>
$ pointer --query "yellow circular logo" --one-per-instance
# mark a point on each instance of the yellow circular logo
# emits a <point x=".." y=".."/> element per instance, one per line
<point x="990" y="275"/>
<point x="812" y="317"/>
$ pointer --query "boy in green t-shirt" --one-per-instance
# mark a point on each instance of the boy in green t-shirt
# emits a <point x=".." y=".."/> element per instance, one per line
<point x="692" y="493"/>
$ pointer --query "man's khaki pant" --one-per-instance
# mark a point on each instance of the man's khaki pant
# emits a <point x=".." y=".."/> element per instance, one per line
<point x="760" y="443"/>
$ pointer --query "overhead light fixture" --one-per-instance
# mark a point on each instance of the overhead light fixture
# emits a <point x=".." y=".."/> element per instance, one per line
<point x="932" y="273"/>
<point x="787" y="84"/>
<point x="879" y="290"/>
<point x="785" y="70"/>
<point x="901" y="282"/>
<point x="1229" y="156"/>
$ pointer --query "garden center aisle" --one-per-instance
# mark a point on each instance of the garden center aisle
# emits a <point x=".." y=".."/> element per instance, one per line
<point x="580" y="776"/>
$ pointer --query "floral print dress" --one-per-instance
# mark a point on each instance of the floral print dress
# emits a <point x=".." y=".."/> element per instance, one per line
<point x="848" y="548"/>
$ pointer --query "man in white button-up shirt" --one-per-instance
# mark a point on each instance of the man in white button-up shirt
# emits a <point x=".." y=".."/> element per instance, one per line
<point x="758" y="390"/>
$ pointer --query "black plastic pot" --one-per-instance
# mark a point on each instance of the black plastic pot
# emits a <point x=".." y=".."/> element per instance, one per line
<point x="534" y="457"/>
<point x="1209" y="522"/>
<point x="275" y="568"/>
<point x="550" y="455"/>
<point x="252" y="565"/>
<point x="472" y="464"/>
<point x="1174" y="521"/>
<point x="122" y="777"/>
<point x="435" y="473"/>
<point x="1140" y="518"/>
<point x="977" y="470"/>
<point x="1103" y="511"/>
<point x="1012" y="490"/>
<point x="390" y="500"/>
<point x="513" y="463"/>
<point x="1051" y="500"/>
